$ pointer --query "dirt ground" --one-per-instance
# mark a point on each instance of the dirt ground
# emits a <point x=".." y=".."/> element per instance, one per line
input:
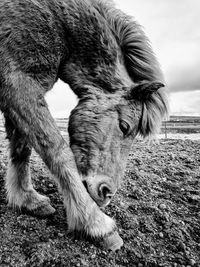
<point x="157" y="211"/>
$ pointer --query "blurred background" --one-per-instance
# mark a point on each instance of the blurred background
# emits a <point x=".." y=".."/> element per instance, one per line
<point x="173" y="29"/>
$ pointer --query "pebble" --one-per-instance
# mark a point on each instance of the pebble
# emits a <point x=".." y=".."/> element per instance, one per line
<point x="161" y="235"/>
<point x="3" y="166"/>
<point x="84" y="263"/>
<point x="162" y="206"/>
<point x="187" y="253"/>
<point x="182" y="245"/>
<point x="60" y="234"/>
<point x="172" y="156"/>
<point x="192" y="262"/>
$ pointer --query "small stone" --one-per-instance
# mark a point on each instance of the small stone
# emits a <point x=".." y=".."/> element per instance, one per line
<point x="51" y="185"/>
<point x="187" y="253"/>
<point x="192" y="262"/>
<point x="172" y="156"/>
<point x="162" y="206"/>
<point x="123" y="204"/>
<point x="182" y="245"/>
<point x="84" y="263"/>
<point x="60" y="234"/>
<point x="161" y="235"/>
<point x="3" y="166"/>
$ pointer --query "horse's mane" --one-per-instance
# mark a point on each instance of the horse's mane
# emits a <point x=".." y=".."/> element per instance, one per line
<point x="140" y="62"/>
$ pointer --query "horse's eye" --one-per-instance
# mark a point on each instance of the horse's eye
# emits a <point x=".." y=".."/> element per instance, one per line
<point x="124" y="127"/>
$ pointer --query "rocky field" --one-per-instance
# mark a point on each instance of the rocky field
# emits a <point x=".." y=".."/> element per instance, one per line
<point x="157" y="211"/>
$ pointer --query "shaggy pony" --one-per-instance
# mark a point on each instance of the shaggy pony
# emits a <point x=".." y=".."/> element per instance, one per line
<point x="107" y="60"/>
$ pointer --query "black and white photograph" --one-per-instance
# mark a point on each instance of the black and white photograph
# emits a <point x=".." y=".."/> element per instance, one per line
<point x="99" y="133"/>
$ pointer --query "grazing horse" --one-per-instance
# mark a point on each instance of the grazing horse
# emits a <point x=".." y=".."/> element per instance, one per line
<point x="106" y="59"/>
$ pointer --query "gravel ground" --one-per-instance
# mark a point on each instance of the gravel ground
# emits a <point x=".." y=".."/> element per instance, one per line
<point x="157" y="211"/>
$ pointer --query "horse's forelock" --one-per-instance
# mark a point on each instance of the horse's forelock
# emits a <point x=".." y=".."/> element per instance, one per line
<point x="154" y="103"/>
<point x="155" y="108"/>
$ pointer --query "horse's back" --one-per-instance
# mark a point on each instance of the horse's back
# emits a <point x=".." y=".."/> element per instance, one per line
<point x="29" y="37"/>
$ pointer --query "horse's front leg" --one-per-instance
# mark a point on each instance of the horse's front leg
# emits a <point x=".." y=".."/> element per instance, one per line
<point x="28" y="110"/>
<point x="20" y="191"/>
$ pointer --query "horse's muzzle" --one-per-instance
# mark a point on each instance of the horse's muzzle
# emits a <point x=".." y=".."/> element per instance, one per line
<point x="101" y="188"/>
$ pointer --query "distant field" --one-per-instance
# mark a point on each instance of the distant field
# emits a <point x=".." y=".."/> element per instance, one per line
<point x="176" y="124"/>
<point x="62" y="124"/>
<point x="181" y="124"/>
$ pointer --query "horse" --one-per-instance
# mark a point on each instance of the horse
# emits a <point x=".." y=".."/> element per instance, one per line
<point x="105" y="57"/>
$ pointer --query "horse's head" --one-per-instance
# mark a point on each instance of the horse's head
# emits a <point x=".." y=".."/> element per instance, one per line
<point x="102" y="128"/>
<point x="108" y="71"/>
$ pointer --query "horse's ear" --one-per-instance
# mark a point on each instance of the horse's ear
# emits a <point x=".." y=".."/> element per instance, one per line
<point x="155" y="106"/>
<point x="144" y="90"/>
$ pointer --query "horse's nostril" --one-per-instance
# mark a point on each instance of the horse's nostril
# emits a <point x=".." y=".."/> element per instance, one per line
<point x="101" y="193"/>
<point x="105" y="191"/>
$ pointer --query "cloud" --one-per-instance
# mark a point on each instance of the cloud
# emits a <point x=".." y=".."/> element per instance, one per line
<point x="182" y="70"/>
<point x="185" y="103"/>
<point x="185" y="79"/>
<point x="172" y="28"/>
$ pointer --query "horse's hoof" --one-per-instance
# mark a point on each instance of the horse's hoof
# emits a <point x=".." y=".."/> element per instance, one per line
<point x="43" y="211"/>
<point x="113" y="241"/>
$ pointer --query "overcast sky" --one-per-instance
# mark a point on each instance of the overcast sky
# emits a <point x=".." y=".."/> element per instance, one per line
<point x="173" y="28"/>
